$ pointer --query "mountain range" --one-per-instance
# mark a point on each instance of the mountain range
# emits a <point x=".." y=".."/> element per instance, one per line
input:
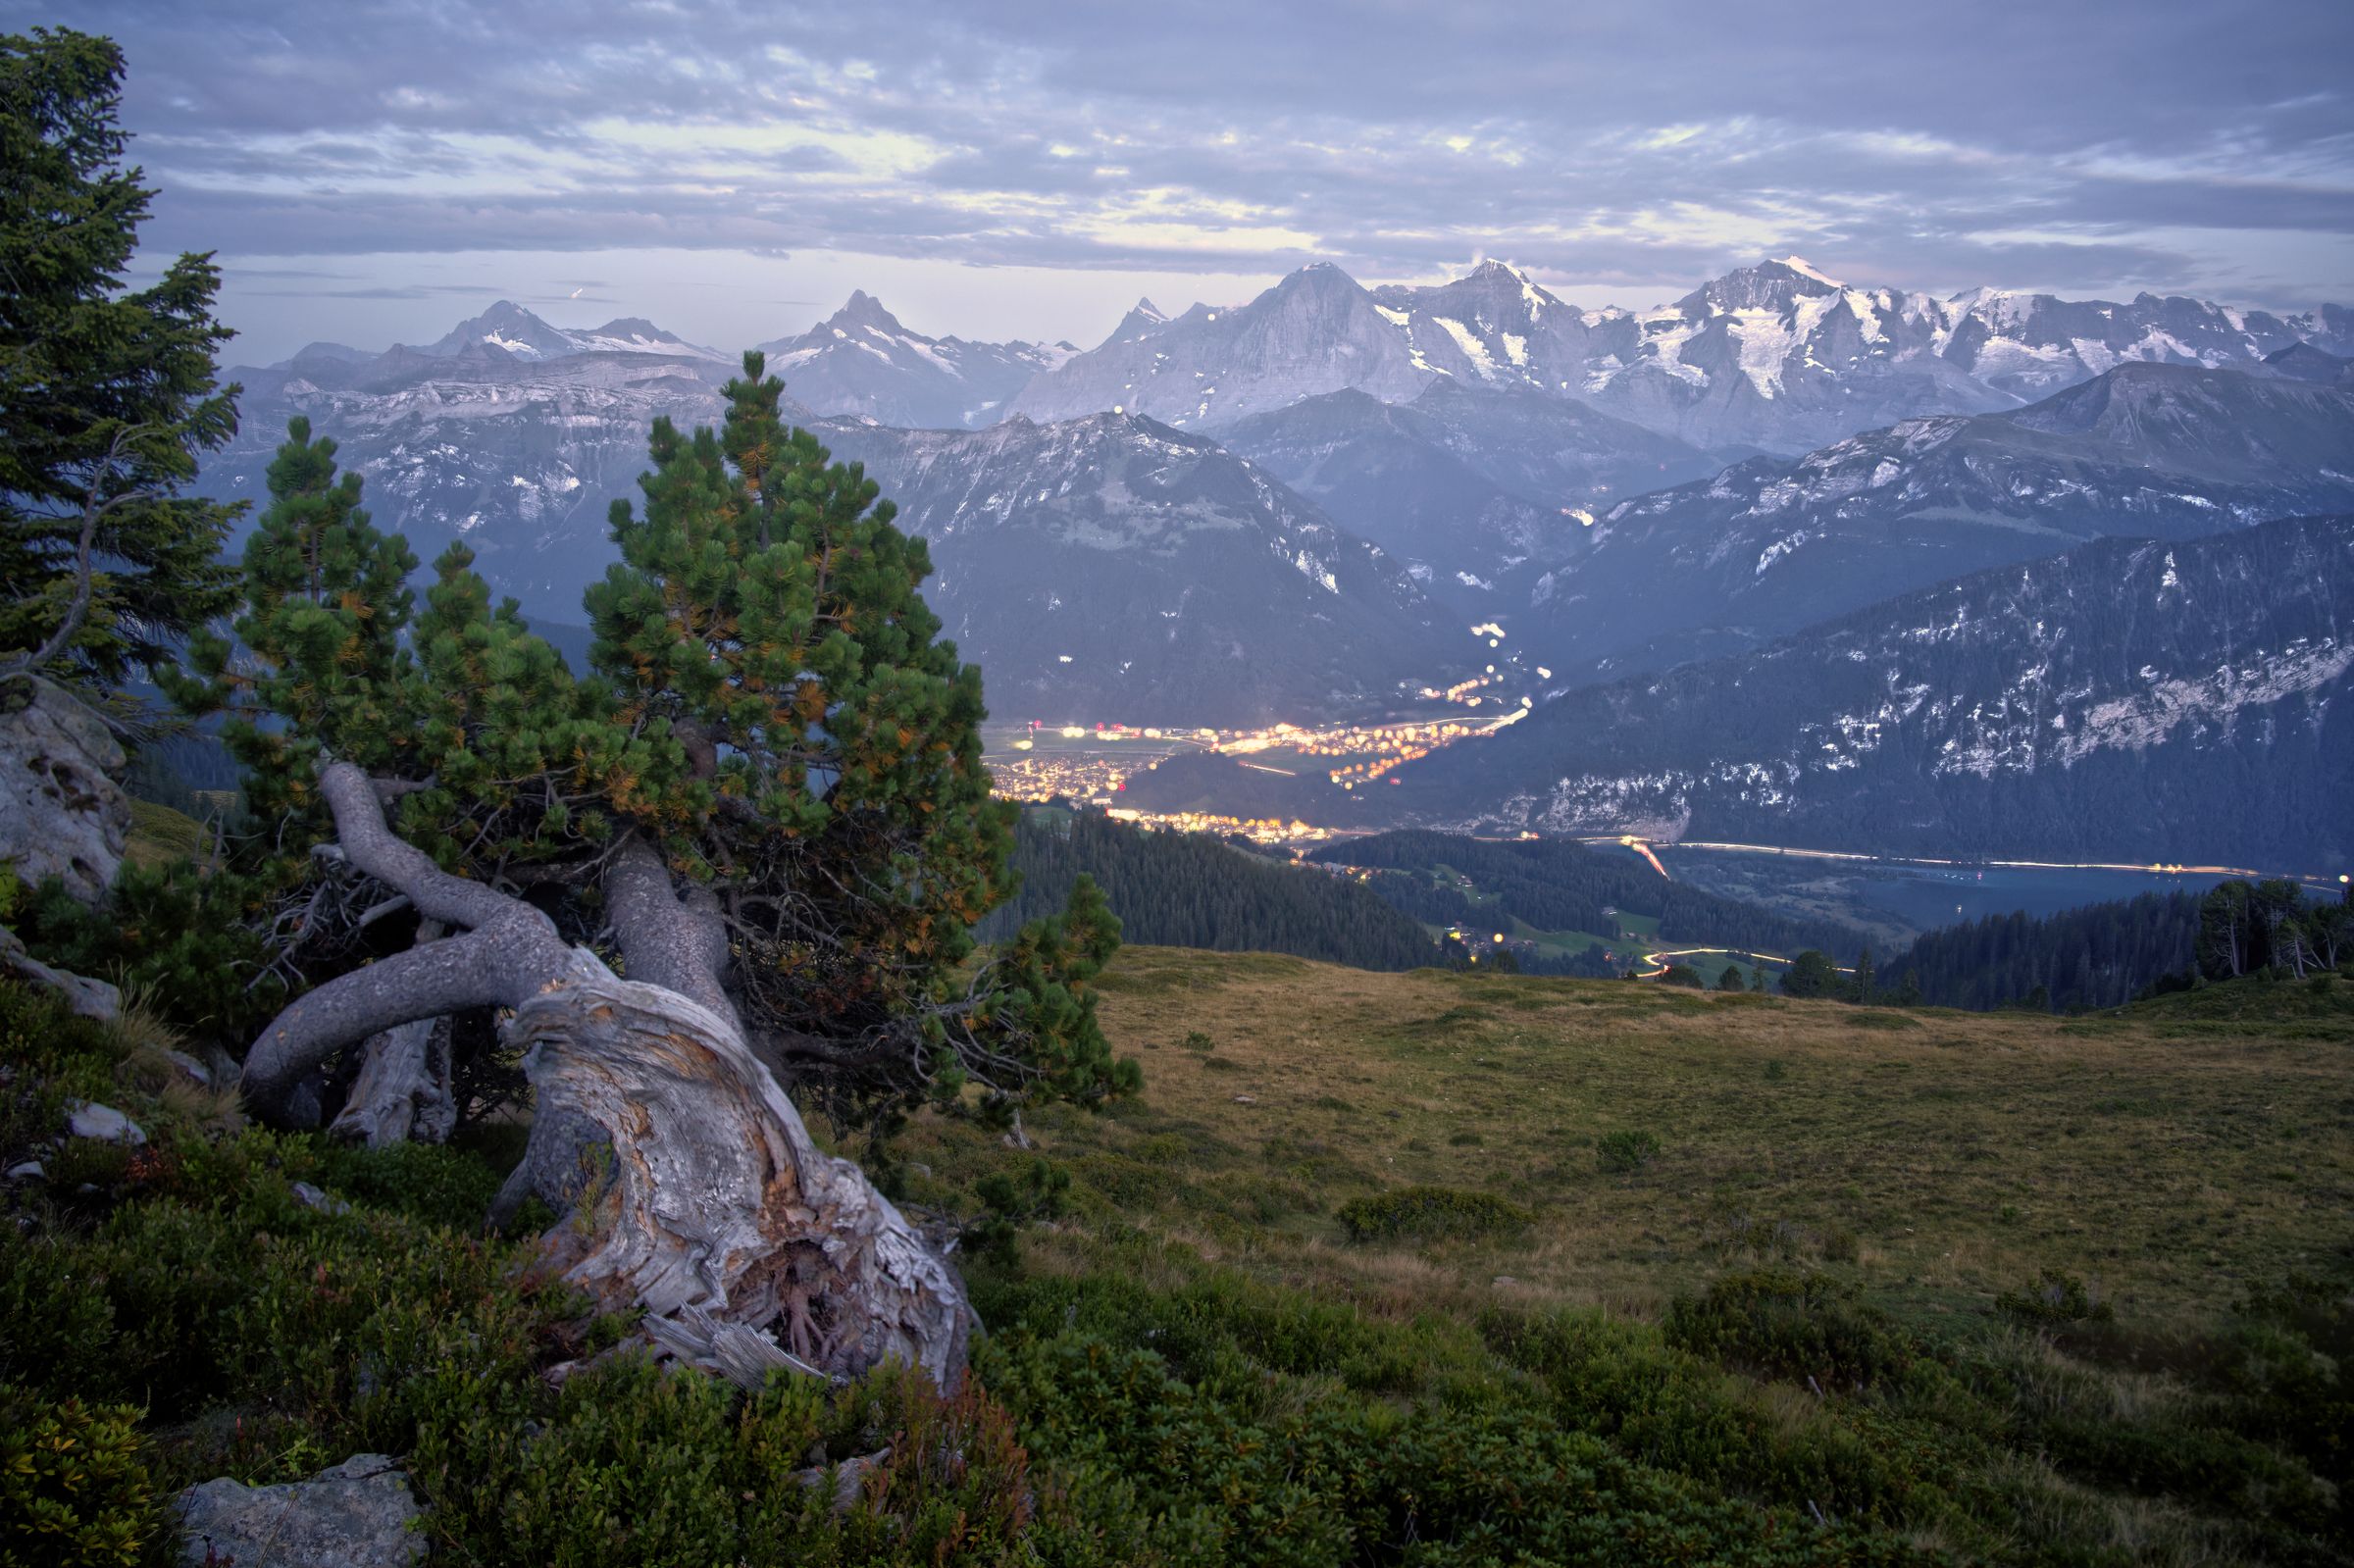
<point x="1464" y="482"/>
<point x="2128" y="700"/>
<point x="1112" y="566"/>
<point x="1776" y="356"/>
<point x="1478" y="452"/>
<point x="1770" y="545"/>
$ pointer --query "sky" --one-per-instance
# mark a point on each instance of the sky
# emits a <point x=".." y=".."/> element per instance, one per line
<point x="373" y="173"/>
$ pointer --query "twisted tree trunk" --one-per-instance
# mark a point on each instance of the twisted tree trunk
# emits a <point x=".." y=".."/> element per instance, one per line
<point x="403" y="1093"/>
<point x="713" y="1200"/>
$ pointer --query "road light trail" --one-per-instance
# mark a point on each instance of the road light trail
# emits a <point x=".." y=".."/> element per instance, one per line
<point x="2152" y="869"/>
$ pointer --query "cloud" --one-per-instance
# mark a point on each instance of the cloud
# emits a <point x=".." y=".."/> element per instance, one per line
<point x="1609" y="141"/>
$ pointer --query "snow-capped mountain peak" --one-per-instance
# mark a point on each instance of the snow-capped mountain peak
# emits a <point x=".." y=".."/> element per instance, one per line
<point x="512" y="330"/>
<point x="864" y="363"/>
<point x="1805" y="269"/>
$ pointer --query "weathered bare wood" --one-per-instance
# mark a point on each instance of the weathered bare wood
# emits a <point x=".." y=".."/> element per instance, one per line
<point x="718" y="1196"/>
<point x="744" y="1357"/>
<point x="714" y="1201"/>
<point x="403" y="1092"/>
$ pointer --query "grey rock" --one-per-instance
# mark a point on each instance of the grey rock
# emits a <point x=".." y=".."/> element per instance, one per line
<point x="61" y="812"/>
<point x="352" y="1515"/>
<point x="30" y="1171"/>
<point x="311" y="1197"/>
<point x="192" y="1069"/>
<point x="89" y="1119"/>
<point x="90" y="998"/>
<point x="515" y="334"/>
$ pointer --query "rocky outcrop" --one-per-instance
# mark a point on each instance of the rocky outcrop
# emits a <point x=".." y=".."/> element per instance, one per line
<point x="91" y="998"/>
<point x="61" y="812"/>
<point x="352" y="1515"/>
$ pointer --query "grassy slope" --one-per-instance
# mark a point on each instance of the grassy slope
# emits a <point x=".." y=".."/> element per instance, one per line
<point x="1204" y="1371"/>
<point x="2167" y="1160"/>
<point x="159" y="834"/>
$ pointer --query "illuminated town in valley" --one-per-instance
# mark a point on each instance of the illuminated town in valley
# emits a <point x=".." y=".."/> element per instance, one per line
<point x="1091" y="762"/>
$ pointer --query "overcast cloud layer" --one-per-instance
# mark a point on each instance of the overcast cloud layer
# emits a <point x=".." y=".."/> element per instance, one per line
<point x="376" y="170"/>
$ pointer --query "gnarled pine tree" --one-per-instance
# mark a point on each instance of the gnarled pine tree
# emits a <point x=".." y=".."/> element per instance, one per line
<point x="764" y="807"/>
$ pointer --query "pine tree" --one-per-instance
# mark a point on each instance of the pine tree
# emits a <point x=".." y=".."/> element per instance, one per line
<point x="764" y="804"/>
<point x="106" y="394"/>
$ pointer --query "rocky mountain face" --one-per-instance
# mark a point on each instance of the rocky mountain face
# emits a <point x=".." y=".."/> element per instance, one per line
<point x="2136" y="700"/>
<point x="1315" y="332"/>
<point x="863" y="363"/>
<point x="1779" y="356"/>
<point x="1464" y="482"/>
<point x="1114" y="567"/>
<point x="521" y="457"/>
<point x="2304" y="362"/>
<point x="1770" y="545"/>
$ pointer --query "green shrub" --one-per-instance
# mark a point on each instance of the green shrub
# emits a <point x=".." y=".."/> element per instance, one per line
<point x="1430" y="1214"/>
<point x="1671" y="1408"/>
<point x="1617" y="1154"/>
<point x="2056" y="1297"/>
<point x="74" y="1492"/>
<point x="638" y="1464"/>
<point x="1798" y="1327"/>
<point x="1682" y="975"/>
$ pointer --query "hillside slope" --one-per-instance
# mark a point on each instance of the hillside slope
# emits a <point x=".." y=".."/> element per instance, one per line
<point x="1114" y="567"/>
<point x="2144" y="451"/>
<point x="2128" y="700"/>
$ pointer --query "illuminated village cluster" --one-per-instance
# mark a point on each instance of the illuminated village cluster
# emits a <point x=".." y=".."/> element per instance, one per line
<point x="1092" y="763"/>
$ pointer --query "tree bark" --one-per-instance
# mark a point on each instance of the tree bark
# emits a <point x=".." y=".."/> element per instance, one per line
<point x="403" y="1092"/>
<point x="718" y="1197"/>
<point x="713" y="1198"/>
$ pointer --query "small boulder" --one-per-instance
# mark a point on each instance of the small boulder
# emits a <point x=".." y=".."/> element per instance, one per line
<point x="311" y="1197"/>
<point x="90" y="998"/>
<point x="352" y="1515"/>
<point x="195" y="1071"/>
<point x="30" y="1171"/>
<point x="89" y="1119"/>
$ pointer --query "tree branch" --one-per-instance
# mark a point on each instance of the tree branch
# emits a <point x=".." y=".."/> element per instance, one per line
<point x="510" y="952"/>
<point x="670" y="939"/>
<point x="92" y="509"/>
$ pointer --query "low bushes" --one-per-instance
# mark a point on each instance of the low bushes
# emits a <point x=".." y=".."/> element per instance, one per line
<point x="1798" y="1327"/>
<point x="74" y="1488"/>
<point x="2056" y="1297"/>
<point x="1624" y="1151"/>
<point x="1430" y="1214"/>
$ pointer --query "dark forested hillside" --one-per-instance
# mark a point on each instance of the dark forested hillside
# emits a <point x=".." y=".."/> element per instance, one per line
<point x="2129" y="701"/>
<point x="2099" y="956"/>
<point x="1184" y="891"/>
<point x="1557" y="886"/>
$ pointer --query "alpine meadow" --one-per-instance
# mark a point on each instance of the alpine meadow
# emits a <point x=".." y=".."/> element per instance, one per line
<point x="1641" y="851"/>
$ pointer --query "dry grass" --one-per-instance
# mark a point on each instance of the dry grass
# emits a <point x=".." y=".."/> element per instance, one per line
<point x="1940" y="1158"/>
